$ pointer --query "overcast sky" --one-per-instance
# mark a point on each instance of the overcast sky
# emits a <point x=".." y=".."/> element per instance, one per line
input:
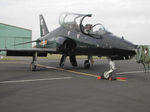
<point x="128" y="18"/>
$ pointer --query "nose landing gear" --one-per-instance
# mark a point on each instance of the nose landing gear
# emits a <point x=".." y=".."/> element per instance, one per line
<point x="88" y="62"/>
<point x="108" y="74"/>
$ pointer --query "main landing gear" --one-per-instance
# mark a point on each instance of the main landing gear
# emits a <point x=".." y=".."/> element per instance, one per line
<point x="34" y="63"/>
<point x="108" y="74"/>
<point x="88" y="62"/>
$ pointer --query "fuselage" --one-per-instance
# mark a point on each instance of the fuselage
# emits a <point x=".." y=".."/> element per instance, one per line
<point x="81" y="44"/>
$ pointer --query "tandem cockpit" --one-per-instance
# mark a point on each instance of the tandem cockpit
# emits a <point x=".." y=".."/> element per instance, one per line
<point x="74" y="21"/>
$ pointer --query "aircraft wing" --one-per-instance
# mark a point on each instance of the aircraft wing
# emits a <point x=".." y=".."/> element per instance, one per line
<point x="27" y="51"/>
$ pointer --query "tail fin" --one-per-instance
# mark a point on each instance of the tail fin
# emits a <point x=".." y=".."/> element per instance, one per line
<point x="43" y="27"/>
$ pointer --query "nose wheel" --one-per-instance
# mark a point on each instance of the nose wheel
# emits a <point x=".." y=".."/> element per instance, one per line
<point x="108" y="74"/>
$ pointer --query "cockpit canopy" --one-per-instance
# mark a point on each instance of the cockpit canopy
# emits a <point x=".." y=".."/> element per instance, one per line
<point x="70" y="20"/>
<point x="74" y="21"/>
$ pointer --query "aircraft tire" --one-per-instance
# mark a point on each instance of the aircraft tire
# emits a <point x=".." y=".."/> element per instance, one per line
<point x="106" y="75"/>
<point x="33" y="66"/>
<point x="86" y="64"/>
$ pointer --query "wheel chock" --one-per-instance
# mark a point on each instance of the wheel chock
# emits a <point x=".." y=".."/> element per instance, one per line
<point x="111" y="78"/>
<point x="99" y="78"/>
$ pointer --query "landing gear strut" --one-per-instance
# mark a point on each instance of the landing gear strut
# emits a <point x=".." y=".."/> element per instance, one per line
<point x="34" y="63"/>
<point x="107" y="74"/>
<point x="87" y="62"/>
<point x="62" y="61"/>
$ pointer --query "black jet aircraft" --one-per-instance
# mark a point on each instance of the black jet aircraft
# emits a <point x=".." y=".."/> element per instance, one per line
<point x="73" y="38"/>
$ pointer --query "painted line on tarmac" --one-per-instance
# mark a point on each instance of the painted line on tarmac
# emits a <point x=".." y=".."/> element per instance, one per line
<point x="71" y="71"/>
<point x="81" y="73"/>
<point x="75" y="72"/>
<point x="121" y="80"/>
<point x="132" y="72"/>
<point x="34" y="80"/>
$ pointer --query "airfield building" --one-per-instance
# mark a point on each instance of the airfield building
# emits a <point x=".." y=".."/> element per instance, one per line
<point x="11" y="35"/>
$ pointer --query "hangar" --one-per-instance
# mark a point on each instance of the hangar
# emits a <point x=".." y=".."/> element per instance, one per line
<point x="10" y="35"/>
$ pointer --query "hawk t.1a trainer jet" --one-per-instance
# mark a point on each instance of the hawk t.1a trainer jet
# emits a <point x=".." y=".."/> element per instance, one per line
<point x="74" y="37"/>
